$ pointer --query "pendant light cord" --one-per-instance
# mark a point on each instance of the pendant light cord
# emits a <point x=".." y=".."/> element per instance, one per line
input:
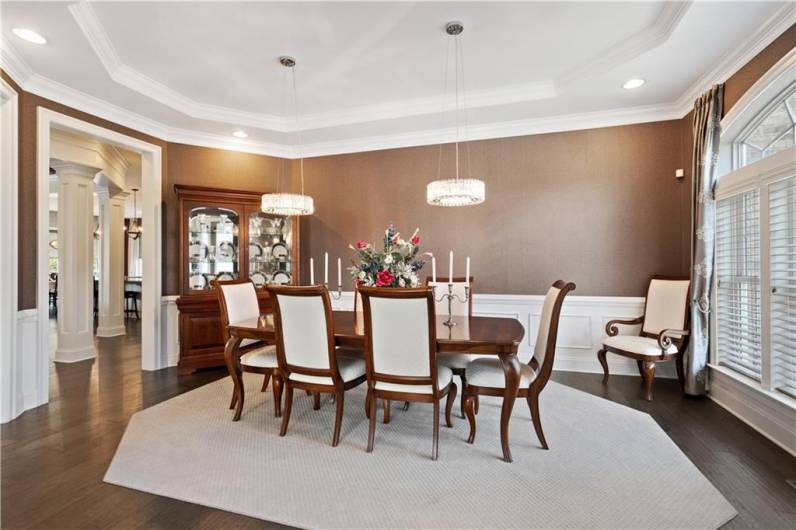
<point x="298" y="129"/>
<point x="456" y="78"/>
<point x="442" y="107"/>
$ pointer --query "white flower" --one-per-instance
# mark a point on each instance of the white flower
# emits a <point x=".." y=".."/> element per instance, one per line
<point x="388" y="259"/>
<point x="413" y="280"/>
<point x="401" y="282"/>
<point x="361" y="275"/>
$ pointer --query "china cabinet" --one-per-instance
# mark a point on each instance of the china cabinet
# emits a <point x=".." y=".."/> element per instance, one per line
<point x="225" y="236"/>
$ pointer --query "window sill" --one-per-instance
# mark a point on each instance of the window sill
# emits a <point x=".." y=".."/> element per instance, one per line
<point x="754" y="385"/>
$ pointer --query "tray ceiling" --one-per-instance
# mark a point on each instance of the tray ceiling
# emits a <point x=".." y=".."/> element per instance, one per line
<point x="370" y="75"/>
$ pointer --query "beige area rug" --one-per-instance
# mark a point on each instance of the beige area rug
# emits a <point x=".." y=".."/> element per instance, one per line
<point x="609" y="466"/>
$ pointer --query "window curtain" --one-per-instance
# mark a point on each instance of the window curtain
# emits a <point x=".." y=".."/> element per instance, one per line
<point x="706" y="129"/>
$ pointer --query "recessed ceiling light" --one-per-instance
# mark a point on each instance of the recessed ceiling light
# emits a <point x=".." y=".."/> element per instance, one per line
<point x="633" y="83"/>
<point x="29" y="35"/>
<point x="240" y="134"/>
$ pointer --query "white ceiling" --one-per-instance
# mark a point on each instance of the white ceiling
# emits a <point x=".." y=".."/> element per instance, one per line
<point x="370" y="75"/>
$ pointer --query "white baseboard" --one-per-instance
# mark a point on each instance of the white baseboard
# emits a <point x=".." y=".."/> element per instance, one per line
<point x="581" y="328"/>
<point x="75" y="355"/>
<point x="770" y="416"/>
<point x="170" y="329"/>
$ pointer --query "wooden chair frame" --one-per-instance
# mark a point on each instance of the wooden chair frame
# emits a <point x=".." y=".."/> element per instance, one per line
<point x="373" y="377"/>
<point x="270" y="374"/>
<point x="543" y="371"/>
<point x="667" y="337"/>
<point x="338" y="386"/>
<point x="460" y="371"/>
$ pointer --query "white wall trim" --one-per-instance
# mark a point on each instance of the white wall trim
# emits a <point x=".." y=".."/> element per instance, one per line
<point x="11" y="383"/>
<point x="581" y="328"/>
<point x="151" y="178"/>
<point x="770" y="416"/>
<point x="13" y="63"/>
<point x="170" y="330"/>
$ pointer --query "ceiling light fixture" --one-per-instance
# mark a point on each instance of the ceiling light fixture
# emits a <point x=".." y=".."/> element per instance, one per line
<point x="240" y="134"/>
<point x="456" y="191"/>
<point x="29" y="35"/>
<point x="134" y="230"/>
<point x="280" y="203"/>
<point x="630" y="84"/>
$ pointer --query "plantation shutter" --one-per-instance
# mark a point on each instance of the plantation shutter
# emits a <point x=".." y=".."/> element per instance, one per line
<point x="738" y="283"/>
<point x="782" y="237"/>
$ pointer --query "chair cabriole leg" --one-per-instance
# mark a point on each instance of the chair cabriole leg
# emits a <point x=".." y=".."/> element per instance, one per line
<point x="649" y="374"/>
<point x="338" y="416"/>
<point x="469" y="410"/>
<point x="288" y="408"/>
<point x="449" y="403"/>
<point x="604" y="363"/>
<point x="533" y="405"/>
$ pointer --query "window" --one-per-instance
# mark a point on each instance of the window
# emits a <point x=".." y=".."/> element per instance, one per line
<point x="738" y="283"/>
<point x="782" y="236"/>
<point x="773" y="132"/>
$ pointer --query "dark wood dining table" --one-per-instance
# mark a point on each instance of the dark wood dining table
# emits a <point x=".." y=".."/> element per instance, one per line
<point x="482" y="335"/>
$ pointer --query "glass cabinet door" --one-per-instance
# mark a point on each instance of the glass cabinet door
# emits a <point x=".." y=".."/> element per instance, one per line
<point x="270" y="249"/>
<point x="213" y="246"/>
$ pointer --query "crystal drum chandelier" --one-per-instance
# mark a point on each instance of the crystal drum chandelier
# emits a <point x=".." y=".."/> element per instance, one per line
<point x="456" y="191"/>
<point x="290" y="203"/>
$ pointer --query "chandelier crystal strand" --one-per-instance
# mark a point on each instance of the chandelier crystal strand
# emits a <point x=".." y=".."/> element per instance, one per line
<point x="456" y="191"/>
<point x="290" y="203"/>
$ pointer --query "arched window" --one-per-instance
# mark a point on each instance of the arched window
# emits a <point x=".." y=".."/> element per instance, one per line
<point x="771" y="132"/>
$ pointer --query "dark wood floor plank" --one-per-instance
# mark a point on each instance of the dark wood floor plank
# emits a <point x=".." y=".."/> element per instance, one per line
<point x="54" y="457"/>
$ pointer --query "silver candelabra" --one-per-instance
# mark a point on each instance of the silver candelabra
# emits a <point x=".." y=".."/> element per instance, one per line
<point x="335" y="294"/>
<point x="450" y="297"/>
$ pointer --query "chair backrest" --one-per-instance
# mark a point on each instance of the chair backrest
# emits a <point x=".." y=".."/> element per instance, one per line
<point x="400" y="336"/>
<point x="666" y="306"/>
<point x="304" y="330"/>
<point x="237" y="300"/>
<point x="458" y="308"/>
<point x="545" y="349"/>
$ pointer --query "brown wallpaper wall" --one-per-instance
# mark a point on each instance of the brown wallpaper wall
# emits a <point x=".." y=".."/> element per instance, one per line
<point x="578" y="205"/>
<point x="599" y="207"/>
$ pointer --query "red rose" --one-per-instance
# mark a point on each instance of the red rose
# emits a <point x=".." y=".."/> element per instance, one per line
<point x="384" y="279"/>
<point x="361" y="244"/>
<point x="415" y="240"/>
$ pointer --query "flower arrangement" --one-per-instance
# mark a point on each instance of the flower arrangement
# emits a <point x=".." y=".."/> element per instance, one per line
<point x="396" y="265"/>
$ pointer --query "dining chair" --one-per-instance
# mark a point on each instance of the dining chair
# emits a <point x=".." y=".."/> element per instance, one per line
<point x="306" y="350"/>
<point x="457" y="362"/>
<point x="401" y="354"/>
<point x="486" y="376"/>
<point x="238" y="301"/>
<point x="664" y="331"/>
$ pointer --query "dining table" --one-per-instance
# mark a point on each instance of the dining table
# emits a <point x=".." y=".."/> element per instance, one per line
<point x="473" y="335"/>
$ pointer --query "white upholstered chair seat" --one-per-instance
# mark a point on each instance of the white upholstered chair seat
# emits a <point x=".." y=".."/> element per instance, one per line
<point x="350" y="368"/>
<point x="456" y="361"/>
<point x="444" y="376"/>
<point x="489" y="373"/>
<point x="636" y="344"/>
<point x="263" y="357"/>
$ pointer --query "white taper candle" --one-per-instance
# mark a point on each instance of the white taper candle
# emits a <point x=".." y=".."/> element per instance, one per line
<point x="326" y="268"/>
<point x="450" y="268"/>
<point x="467" y="274"/>
<point x="339" y="272"/>
<point x="433" y="269"/>
<point x="312" y="272"/>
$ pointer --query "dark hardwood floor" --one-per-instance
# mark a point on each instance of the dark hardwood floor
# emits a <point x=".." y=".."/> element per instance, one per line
<point x="54" y="457"/>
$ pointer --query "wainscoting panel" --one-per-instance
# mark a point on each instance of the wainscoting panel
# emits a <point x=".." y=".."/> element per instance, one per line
<point x="581" y="329"/>
<point x="25" y="381"/>
<point x="170" y="330"/>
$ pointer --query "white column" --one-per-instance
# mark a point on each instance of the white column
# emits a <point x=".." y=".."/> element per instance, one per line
<point x="111" y="263"/>
<point x="75" y="261"/>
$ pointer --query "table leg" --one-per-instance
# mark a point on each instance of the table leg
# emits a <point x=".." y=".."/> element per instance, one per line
<point x="511" y="368"/>
<point x="232" y="358"/>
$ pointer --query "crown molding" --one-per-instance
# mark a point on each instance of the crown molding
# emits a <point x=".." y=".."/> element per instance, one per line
<point x="16" y="67"/>
<point x="13" y="63"/>
<point x="640" y="42"/>
<point x="775" y="26"/>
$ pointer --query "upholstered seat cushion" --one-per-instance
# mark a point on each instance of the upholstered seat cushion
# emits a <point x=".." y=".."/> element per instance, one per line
<point x="489" y="373"/>
<point x="636" y="344"/>
<point x="444" y="376"/>
<point x="456" y="361"/>
<point x="350" y="368"/>
<point x="263" y="357"/>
